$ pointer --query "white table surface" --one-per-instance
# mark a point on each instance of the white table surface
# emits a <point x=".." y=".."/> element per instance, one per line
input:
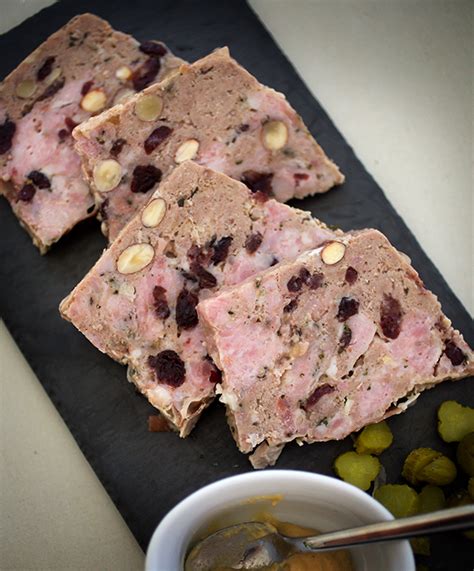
<point x="396" y="77"/>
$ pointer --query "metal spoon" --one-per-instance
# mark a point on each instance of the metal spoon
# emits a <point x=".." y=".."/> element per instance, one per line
<point x="255" y="545"/>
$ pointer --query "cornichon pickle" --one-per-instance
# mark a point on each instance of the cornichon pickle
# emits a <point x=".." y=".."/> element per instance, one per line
<point x="374" y="439"/>
<point x="400" y="500"/>
<point x="421" y="545"/>
<point x="440" y="472"/>
<point x="357" y="469"/>
<point x="465" y="454"/>
<point x="431" y="499"/>
<point x="428" y="465"/>
<point x="416" y="461"/>
<point x="454" y="421"/>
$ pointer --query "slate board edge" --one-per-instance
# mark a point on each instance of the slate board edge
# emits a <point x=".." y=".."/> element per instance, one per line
<point x="85" y="447"/>
<point x="351" y="150"/>
<point x="469" y="336"/>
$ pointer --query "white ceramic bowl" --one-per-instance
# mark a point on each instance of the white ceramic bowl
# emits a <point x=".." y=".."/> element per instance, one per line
<point x="308" y="499"/>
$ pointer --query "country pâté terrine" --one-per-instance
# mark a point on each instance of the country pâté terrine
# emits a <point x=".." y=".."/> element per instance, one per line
<point x="200" y="231"/>
<point x="214" y="112"/>
<point x="318" y="347"/>
<point x="82" y="69"/>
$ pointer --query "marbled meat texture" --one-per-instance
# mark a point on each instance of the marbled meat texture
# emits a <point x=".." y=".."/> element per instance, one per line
<point x="80" y="70"/>
<point x="313" y="351"/>
<point x="215" y="113"/>
<point x="201" y="231"/>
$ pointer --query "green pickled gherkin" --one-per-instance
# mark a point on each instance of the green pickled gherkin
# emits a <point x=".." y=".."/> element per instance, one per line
<point x="374" y="439"/>
<point x="440" y="472"/>
<point x="357" y="469"/>
<point x="401" y="500"/>
<point x="465" y="454"/>
<point x="428" y="465"/>
<point x="455" y="421"/>
<point x="416" y="461"/>
<point x="431" y="499"/>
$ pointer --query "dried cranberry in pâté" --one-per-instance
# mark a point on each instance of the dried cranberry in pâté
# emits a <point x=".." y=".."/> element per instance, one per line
<point x="336" y="362"/>
<point x="142" y="296"/>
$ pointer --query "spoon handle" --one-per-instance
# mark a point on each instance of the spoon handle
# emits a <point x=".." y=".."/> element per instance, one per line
<point x="404" y="528"/>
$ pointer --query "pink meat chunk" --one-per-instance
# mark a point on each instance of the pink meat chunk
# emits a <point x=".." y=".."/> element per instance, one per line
<point x="313" y="351"/>
<point x="226" y="121"/>
<point x="214" y="233"/>
<point x="80" y="70"/>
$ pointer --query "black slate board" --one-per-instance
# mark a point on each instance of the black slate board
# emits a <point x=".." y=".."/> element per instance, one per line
<point x="147" y="474"/>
